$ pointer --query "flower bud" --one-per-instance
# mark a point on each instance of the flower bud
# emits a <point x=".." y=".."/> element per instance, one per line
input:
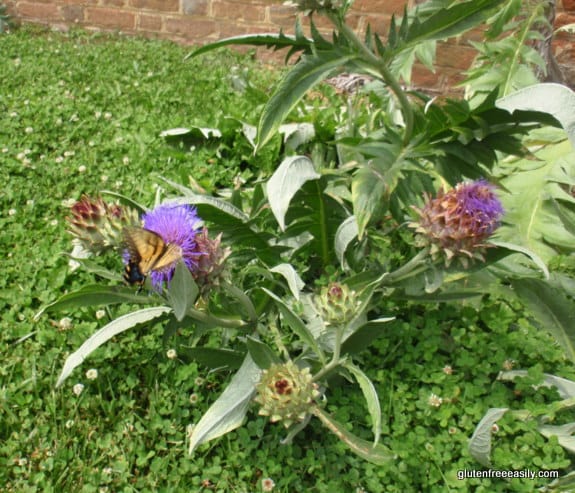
<point x="286" y="393"/>
<point x="210" y="263"/>
<point x="99" y="225"/>
<point x="337" y="303"/>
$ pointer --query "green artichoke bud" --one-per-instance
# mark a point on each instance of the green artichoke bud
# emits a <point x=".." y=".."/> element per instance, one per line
<point x="457" y="223"/>
<point x="286" y="393"/>
<point x="99" y="225"/>
<point x="337" y="303"/>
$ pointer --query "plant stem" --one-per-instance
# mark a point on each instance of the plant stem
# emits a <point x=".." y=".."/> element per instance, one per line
<point x="382" y="68"/>
<point x="416" y="265"/>
<point x="335" y="359"/>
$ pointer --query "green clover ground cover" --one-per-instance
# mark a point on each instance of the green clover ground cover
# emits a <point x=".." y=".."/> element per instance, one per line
<point x="82" y="112"/>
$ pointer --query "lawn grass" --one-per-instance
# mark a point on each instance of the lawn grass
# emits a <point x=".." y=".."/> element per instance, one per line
<point x="82" y="112"/>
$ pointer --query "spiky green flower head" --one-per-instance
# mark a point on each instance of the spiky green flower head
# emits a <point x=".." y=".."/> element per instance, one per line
<point x="457" y="223"/>
<point x="337" y="303"/>
<point x="286" y="393"/>
<point x="98" y="225"/>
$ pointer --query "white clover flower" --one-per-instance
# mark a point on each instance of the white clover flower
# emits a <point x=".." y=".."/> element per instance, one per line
<point x="68" y="202"/>
<point x="30" y="202"/>
<point x="69" y="153"/>
<point x="434" y="400"/>
<point x="5" y="150"/>
<point x="104" y="178"/>
<point x="69" y="424"/>
<point x="447" y="370"/>
<point x="78" y="388"/>
<point x="54" y="222"/>
<point x="171" y="354"/>
<point x="28" y="130"/>
<point x="59" y="159"/>
<point x="194" y="398"/>
<point x="107" y="115"/>
<point x="100" y="314"/>
<point x="13" y="114"/>
<point x="268" y="484"/>
<point x="65" y="323"/>
<point x="98" y="114"/>
<point x="92" y="374"/>
<point x="11" y="212"/>
<point x="126" y="160"/>
<point x="82" y="168"/>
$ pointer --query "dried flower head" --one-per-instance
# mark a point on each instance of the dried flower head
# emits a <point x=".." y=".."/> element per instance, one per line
<point x="99" y="225"/>
<point x="457" y="223"/>
<point x="211" y="260"/>
<point x="286" y="393"/>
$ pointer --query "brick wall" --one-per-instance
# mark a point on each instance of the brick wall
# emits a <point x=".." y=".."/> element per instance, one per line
<point x="202" y="21"/>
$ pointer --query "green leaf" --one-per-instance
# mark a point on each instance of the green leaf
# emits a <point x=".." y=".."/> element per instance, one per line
<point x="287" y="179"/>
<point x="261" y="353"/>
<point x="213" y="358"/>
<point x="455" y="20"/>
<point x="182" y="291"/>
<point x="376" y="454"/>
<point x="277" y="41"/>
<point x="103" y="335"/>
<point x="296" y="324"/>
<point x="95" y="295"/>
<point x="480" y="442"/>
<point x="556" y="99"/>
<point x="293" y="279"/>
<point x="563" y="433"/>
<point x="229" y="410"/>
<point x="309" y="71"/>
<point x="345" y="234"/>
<point x="371" y="397"/>
<point x="552" y="308"/>
<point x="525" y="251"/>
<point x="565" y="387"/>
<point x="364" y="336"/>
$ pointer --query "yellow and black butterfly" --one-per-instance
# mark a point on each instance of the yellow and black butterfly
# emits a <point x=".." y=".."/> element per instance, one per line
<point x="148" y="252"/>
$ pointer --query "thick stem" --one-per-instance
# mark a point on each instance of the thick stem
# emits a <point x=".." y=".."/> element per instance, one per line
<point x="381" y="67"/>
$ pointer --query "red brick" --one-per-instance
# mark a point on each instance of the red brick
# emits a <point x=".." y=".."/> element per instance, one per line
<point x="150" y="22"/>
<point x="159" y="5"/>
<point x="72" y="13"/>
<point x="110" y="18"/>
<point x="454" y="56"/>
<point x="381" y="6"/>
<point x="569" y="5"/>
<point x="190" y="28"/>
<point x="245" y="11"/>
<point x="113" y="3"/>
<point x="44" y="12"/>
<point x="196" y="7"/>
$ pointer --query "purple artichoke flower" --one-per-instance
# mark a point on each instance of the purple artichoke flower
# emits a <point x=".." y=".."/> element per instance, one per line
<point x="457" y="223"/>
<point x="177" y="226"/>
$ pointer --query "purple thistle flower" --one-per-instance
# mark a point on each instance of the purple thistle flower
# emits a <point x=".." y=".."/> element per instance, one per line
<point x="458" y="222"/>
<point x="177" y="225"/>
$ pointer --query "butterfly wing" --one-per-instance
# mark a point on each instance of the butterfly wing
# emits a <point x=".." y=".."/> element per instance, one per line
<point x="146" y="248"/>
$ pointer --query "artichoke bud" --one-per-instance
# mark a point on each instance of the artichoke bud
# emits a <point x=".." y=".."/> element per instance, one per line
<point x="337" y="303"/>
<point x="211" y="262"/>
<point x="99" y="225"/>
<point x="286" y="393"/>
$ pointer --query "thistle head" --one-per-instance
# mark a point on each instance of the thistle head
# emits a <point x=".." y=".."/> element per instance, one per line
<point x="286" y="393"/>
<point x="457" y="223"/>
<point x="98" y="225"/>
<point x="211" y="260"/>
<point x="337" y="303"/>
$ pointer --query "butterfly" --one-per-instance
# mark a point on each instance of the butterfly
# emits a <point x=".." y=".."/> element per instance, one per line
<point x="148" y="252"/>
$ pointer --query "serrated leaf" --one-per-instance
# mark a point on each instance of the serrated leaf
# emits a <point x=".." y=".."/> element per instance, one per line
<point x="103" y="335"/>
<point x="371" y="398"/>
<point x="480" y="442"/>
<point x="228" y="411"/>
<point x="293" y="279"/>
<point x="95" y="295"/>
<point x="556" y="99"/>
<point x="309" y="71"/>
<point x="376" y="454"/>
<point x="345" y="234"/>
<point x="287" y="179"/>
<point x="275" y="40"/>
